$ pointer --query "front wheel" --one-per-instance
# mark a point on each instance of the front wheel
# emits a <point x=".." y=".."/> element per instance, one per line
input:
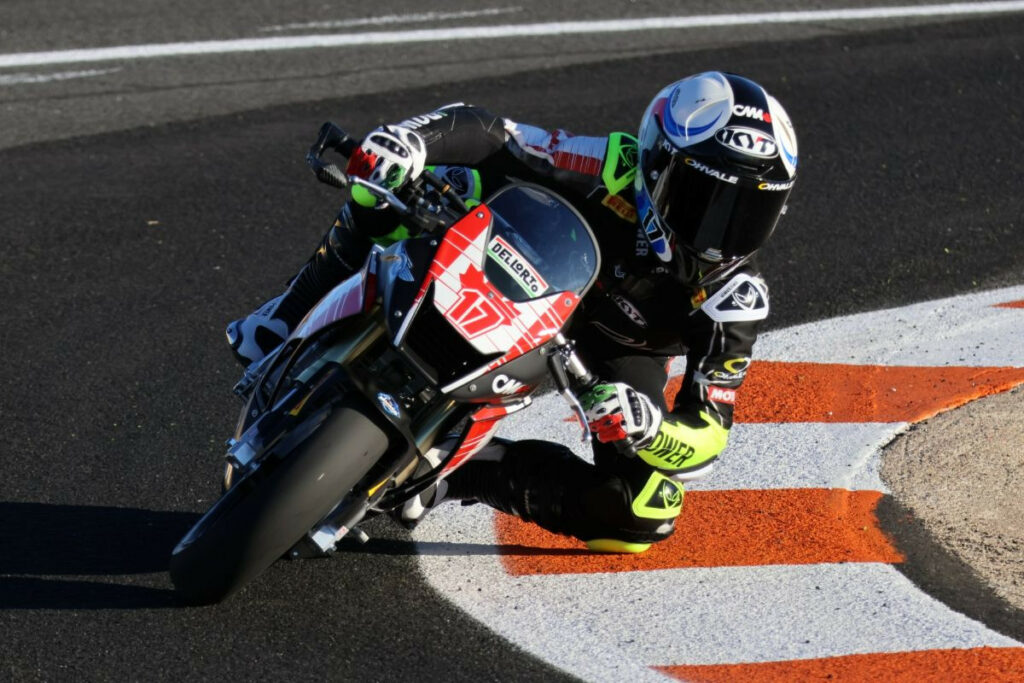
<point x="258" y="519"/>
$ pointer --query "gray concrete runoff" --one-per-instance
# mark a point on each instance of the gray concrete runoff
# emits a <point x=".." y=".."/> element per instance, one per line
<point x="955" y="509"/>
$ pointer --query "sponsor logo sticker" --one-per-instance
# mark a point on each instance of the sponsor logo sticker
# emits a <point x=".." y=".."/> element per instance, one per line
<point x="748" y="112"/>
<point x="620" y="206"/>
<point x="656" y="236"/>
<point x="775" y="187"/>
<point x="513" y="263"/>
<point x="713" y="172"/>
<point x="721" y="395"/>
<point x="748" y="141"/>
<point x="417" y="122"/>
<point x="700" y="297"/>
<point x="389" y="404"/>
<point x="503" y="384"/>
<point x="745" y="297"/>
<point x="630" y="310"/>
<point x="735" y="370"/>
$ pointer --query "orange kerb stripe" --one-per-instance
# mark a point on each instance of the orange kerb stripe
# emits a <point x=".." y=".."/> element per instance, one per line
<point x="992" y="665"/>
<point x="1011" y="304"/>
<point x="720" y="529"/>
<point x="814" y="392"/>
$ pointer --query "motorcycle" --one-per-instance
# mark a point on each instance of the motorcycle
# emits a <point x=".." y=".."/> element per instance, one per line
<point x="412" y="361"/>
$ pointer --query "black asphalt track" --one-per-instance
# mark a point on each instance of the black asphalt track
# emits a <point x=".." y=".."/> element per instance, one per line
<point x="124" y="255"/>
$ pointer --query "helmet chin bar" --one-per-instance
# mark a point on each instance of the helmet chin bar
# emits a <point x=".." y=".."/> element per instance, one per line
<point x="721" y="270"/>
<point x="692" y="268"/>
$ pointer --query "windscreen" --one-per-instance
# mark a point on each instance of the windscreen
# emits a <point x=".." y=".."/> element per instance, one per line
<point x="538" y="245"/>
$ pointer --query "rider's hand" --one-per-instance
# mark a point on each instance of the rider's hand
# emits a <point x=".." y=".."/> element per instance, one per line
<point x="389" y="156"/>
<point x="617" y="411"/>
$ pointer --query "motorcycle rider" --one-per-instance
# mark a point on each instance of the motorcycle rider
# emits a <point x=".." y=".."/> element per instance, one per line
<point x="679" y="211"/>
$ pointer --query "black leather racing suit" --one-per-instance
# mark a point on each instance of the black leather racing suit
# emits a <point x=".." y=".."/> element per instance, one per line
<point x="638" y="315"/>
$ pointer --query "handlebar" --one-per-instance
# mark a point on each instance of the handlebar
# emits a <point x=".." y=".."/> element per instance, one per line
<point x="571" y="378"/>
<point x="417" y="207"/>
<point x="333" y="138"/>
<point x="570" y="375"/>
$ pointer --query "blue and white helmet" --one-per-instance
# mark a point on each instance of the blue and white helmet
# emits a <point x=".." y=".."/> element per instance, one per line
<point x="717" y="162"/>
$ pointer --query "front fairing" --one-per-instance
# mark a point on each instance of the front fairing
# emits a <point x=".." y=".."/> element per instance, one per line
<point x="470" y="309"/>
<point x="401" y="268"/>
<point x="503" y="283"/>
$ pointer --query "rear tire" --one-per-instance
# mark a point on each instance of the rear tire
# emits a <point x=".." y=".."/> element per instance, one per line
<point x="259" y="519"/>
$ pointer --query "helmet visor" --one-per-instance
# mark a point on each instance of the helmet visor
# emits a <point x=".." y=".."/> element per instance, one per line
<point x="713" y="214"/>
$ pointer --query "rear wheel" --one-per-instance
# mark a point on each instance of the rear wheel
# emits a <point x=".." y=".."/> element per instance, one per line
<point x="261" y="517"/>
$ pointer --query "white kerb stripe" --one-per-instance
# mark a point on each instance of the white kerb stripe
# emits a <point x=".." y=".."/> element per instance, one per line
<point x="128" y="52"/>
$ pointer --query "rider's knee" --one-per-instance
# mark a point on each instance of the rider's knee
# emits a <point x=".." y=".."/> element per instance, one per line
<point x="634" y="518"/>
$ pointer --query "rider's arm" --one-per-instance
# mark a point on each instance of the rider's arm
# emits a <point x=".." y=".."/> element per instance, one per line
<point x="466" y="135"/>
<point x="721" y="333"/>
<point x="457" y="134"/>
<point x="721" y="342"/>
<point x="721" y="339"/>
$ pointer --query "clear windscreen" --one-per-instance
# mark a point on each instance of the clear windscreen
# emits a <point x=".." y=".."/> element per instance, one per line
<point x="538" y="245"/>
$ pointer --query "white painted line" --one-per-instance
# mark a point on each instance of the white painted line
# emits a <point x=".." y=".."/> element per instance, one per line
<point x="615" y="626"/>
<point x="213" y="47"/>
<point x="392" y="19"/>
<point x="25" y="78"/>
<point x="802" y="455"/>
<point x="963" y="330"/>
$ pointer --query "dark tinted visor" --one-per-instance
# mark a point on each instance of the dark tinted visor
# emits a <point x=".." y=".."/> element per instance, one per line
<point x="710" y="209"/>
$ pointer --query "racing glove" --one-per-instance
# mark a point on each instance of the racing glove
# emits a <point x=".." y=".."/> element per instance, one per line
<point x="618" y="412"/>
<point x="390" y="156"/>
<point x="682" y="446"/>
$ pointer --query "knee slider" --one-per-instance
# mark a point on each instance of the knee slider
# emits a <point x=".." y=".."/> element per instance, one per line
<point x="625" y="519"/>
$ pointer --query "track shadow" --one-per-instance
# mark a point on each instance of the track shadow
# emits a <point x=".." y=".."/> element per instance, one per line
<point x="20" y="592"/>
<point x="39" y="541"/>
<point x="943" y="575"/>
<point x="390" y="546"/>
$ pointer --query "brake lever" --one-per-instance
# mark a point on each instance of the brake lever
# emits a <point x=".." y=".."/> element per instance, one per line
<point x="334" y="138"/>
<point x="381" y="192"/>
<point x="562" y="360"/>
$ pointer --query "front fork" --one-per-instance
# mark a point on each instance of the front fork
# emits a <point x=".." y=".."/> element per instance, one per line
<point x="570" y="376"/>
<point x="371" y="495"/>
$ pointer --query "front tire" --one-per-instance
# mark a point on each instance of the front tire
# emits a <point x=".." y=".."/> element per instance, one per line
<point x="259" y="519"/>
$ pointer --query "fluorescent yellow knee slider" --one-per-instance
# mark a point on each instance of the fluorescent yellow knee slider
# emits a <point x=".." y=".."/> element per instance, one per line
<point x="610" y="545"/>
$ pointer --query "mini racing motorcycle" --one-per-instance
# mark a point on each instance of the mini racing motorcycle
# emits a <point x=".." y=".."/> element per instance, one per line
<point x="414" y="360"/>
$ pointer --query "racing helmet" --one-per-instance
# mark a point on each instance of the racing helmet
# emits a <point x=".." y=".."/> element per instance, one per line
<point x="717" y="161"/>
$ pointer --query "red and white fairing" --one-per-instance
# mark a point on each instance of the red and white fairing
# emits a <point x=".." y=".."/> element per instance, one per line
<point x="489" y="320"/>
<point x="350" y="297"/>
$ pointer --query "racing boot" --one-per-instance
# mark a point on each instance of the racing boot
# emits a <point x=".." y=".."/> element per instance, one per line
<point x="415" y="509"/>
<point x="622" y="506"/>
<point x="341" y="253"/>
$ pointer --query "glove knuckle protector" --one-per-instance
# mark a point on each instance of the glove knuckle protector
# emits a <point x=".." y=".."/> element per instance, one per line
<point x="389" y="156"/>
<point x="617" y="411"/>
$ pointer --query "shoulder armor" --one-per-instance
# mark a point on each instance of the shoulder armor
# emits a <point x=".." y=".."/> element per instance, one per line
<point x="742" y="298"/>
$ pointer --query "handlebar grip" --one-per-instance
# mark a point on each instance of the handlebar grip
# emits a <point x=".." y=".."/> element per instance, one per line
<point x="330" y="137"/>
<point x="625" y="447"/>
<point x="330" y="174"/>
